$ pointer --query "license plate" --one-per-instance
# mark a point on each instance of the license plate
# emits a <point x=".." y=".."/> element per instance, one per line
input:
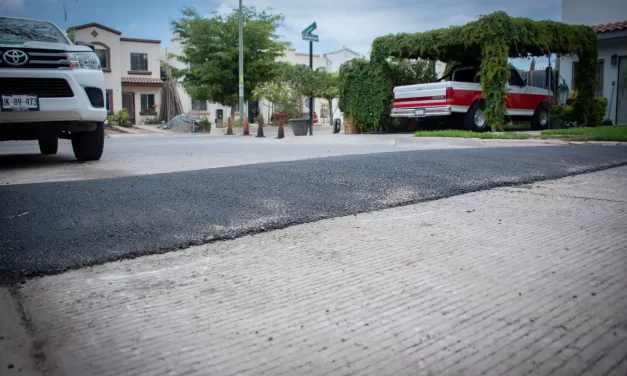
<point x="419" y="112"/>
<point x="20" y="103"/>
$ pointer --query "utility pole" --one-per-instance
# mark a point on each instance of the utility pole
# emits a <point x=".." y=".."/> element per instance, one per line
<point x="241" y="62"/>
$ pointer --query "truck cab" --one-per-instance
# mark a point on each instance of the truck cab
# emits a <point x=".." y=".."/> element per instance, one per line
<point x="50" y="88"/>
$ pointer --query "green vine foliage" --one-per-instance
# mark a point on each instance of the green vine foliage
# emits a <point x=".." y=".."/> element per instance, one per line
<point x="488" y="43"/>
<point x="365" y="90"/>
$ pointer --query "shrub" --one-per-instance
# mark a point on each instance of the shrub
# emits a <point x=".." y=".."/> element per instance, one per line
<point x="121" y="118"/>
<point x="205" y="125"/>
<point x="238" y="123"/>
<point x="569" y="115"/>
<point x="598" y="112"/>
<point x="557" y="111"/>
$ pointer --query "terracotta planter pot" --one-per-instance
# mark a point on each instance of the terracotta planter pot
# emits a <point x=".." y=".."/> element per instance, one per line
<point x="349" y="127"/>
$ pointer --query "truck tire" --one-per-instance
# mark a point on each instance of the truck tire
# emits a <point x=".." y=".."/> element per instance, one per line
<point x="48" y="145"/>
<point x="540" y="119"/>
<point x="475" y="118"/>
<point x="88" y="146"/>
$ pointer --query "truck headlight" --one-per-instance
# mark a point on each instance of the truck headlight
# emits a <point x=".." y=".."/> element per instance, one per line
<point x="84" y="60"/>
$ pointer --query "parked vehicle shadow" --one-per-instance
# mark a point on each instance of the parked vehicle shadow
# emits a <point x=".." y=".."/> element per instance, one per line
<point x="19" y="161"/>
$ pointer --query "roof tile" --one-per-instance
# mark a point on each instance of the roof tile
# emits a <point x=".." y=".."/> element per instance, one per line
<point x="141" y="80"/>
<point x="614" y="26"/>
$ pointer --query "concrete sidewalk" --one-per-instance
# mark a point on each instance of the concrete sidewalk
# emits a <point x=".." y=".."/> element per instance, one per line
<point x="511" y="281"/>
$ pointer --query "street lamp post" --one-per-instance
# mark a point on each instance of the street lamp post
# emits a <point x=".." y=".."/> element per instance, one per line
<point x="241" y="62"/>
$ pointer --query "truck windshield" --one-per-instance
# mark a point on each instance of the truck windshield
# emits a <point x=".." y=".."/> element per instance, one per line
<point x="21" y="30"/>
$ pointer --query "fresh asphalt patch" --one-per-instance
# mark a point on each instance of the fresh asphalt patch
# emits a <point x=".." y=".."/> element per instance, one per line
<point x="48" y="228"/>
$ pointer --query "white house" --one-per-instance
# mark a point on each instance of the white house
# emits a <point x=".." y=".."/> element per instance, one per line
<point x="336" y="58"/>
<point x="609" y="19"/>
<point x="131" y="67"/>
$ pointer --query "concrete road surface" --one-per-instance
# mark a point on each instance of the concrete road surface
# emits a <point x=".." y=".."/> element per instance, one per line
<point x="526" y="280"/>
<point x="132" y="155"/>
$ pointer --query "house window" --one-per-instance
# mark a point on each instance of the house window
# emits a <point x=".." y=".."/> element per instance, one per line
<point x="147" y="103"/>
<point x="139" y="62"/>
<point x="598" y="92"/>
<point x="198" y="105"/>
<point x="109" y="102"/>
<point x="104" y="55"/>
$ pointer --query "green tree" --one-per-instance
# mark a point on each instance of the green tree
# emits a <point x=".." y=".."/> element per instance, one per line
<point x="281" y="92"/>
<point x="293" y="84"/>
<point x="327" y="88"/>
<point x="302" y="81"/>
<point x="71" y="34"/>
<point x="210" y="49"/>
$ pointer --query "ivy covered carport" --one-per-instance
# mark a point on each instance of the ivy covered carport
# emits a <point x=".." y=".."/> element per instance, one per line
<point x="487" y="43"/>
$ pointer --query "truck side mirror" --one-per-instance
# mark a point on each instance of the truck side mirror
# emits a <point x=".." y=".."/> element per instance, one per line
<point x="81" y="43"/>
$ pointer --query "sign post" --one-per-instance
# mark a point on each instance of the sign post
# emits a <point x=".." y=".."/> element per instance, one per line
<point x="241" y="62"/>
<point x="307" y="35"/>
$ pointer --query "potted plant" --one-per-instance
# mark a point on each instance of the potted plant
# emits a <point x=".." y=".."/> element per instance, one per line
<point x="557" y="116"/>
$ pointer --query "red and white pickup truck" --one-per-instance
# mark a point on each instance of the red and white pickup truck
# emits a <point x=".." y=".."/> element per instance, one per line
<point x="460" y="94"/>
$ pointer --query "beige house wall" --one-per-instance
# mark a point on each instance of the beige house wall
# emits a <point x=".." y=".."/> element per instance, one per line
<point x="138" y="90"/>
<point x="119" y="64"/>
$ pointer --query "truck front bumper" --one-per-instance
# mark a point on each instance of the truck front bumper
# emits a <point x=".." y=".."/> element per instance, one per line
<point x="421" y="112"/>
<point x="77" y="108"/>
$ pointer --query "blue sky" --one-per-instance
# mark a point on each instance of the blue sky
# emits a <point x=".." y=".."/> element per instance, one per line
<point x="350" y="23"/>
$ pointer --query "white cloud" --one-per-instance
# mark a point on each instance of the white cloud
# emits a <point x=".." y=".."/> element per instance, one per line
<point x="355" y="23"/>
<point x="12" y="4"/>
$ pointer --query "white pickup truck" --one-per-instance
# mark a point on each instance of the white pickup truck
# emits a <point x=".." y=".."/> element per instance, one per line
<point x="50" y="88"/>
<point x="459" y="94"/>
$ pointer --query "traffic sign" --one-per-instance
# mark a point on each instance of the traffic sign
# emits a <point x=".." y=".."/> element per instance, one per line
<point x="311" y="37"/>
<point x="310" y="28"/>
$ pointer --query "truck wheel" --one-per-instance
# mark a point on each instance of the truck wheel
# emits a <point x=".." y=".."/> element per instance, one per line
<point x="475" y="118"/>
<point x="88" y="146"/>
<point x="48" y="145"/>
<point x="540" y="119"/>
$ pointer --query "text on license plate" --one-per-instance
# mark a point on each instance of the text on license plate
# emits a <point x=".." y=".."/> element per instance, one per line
<point x="19" y="103"/>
